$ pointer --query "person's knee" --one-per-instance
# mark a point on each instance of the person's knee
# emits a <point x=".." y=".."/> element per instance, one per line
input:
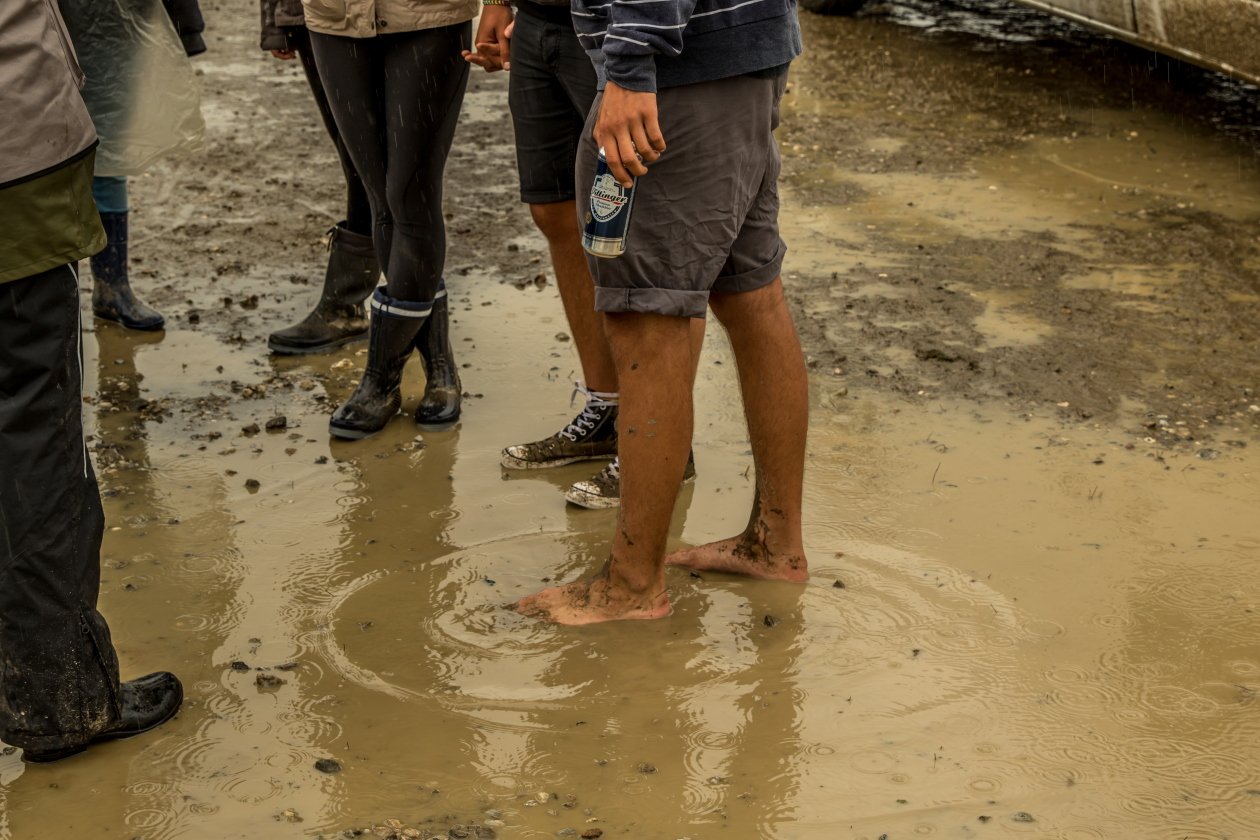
<point x="642" y="335"/>
<point x="556" y="220"/>
<point x="737" y="307"/>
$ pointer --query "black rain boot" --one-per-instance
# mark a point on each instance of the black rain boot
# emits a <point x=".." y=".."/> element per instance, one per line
<point x="439" y="407"/>
<point x="339" y="317"/>
<point x="391" y="338"/>
<point x="112" y="298"/>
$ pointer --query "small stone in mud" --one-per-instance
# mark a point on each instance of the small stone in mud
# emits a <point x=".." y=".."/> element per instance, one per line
<point x="560" y="336"/>
<point x="277" y="422"/>
<point x="646" y="768"/>
<point x="839" y="584"/>
<point x="307" y="384"/>
<point x="328" y="765"/>
<point x="252" y="485"/>
<point x="238" y="665"/>
<point x="287" y="666"/>
<point x="289" y="815"/>
<point x="769" y="621"/>
<point x="322" y="459"/>
<point x="251" y="429"/>
<point x="1209" y="454"/>
<point x="592" y="834"/>
<point x="1023" y="816"/>
<point x="268" y="682"/>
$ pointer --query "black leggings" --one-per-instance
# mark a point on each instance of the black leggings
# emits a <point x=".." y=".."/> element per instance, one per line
<point x="396" y="99"/>
<point x="358" y="210"/>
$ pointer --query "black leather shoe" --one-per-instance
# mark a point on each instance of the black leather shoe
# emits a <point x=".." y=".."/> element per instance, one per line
<point x="147" y="703"/>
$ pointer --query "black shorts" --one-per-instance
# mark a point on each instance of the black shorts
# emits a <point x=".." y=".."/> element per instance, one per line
<point x="550" y="89"/>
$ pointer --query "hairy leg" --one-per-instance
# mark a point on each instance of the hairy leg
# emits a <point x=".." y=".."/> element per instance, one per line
<point x="775" y="389"/>
<point x="655" y="368"/>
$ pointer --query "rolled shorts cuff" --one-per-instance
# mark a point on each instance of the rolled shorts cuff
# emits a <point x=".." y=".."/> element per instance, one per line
<point x="549" y="196"/>
<point x="682" y="304"/>
<point x="753" y="279"/>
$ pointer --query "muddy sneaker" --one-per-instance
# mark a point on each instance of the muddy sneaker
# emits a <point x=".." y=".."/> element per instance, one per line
<point x="590" y="436"/>
<point x="604" y="490"/>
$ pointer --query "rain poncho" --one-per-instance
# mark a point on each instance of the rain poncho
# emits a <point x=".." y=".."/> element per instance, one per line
<point x="141" y="90"/>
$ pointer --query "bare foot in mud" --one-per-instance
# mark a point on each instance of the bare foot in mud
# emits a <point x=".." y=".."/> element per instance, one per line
<point x="592" y="602"/>
<point x="743" y="555"/>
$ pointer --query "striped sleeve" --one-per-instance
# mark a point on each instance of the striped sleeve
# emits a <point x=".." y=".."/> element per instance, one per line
<point x="638" y="31"/>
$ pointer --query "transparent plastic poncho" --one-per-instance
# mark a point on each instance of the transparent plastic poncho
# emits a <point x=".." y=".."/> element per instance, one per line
<point x="141" y="89"/>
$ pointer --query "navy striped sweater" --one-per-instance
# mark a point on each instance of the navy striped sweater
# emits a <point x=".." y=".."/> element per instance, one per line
<point x="649" y="44"/>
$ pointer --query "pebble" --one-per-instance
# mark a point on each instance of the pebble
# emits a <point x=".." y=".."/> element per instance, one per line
<point x="328" y="765"/>
<point x="278" y="422"/>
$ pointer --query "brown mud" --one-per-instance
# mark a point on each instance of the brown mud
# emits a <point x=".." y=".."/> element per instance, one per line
<point x="1024" y="262"/>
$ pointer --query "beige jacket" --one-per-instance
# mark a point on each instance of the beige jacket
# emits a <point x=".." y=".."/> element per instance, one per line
<point x="45" y="120"/>
<point x="368" y="18"/>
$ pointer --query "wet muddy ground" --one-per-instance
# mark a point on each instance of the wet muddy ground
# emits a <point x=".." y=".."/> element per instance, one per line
<point x="1025" y="262"/>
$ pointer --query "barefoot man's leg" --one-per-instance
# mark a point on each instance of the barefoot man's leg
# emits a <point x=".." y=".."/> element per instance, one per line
<point x="773" y="382"/>
<point x="656" y="368"/>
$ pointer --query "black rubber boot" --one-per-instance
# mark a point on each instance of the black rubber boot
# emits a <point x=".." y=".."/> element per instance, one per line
<point x="439" y="407"/>
<point x="391" y="338"/>
<point x="112" y="298"/>
<point x="339" y="317"/>
<point x="145" y="703"/>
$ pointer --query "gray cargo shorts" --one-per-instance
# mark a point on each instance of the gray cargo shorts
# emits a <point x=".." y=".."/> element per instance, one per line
<point x="705" y="217"/>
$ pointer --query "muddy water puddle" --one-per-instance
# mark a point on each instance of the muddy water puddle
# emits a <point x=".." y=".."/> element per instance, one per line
<point x="1016" y="627"/>
<point x="1013" y="628"/>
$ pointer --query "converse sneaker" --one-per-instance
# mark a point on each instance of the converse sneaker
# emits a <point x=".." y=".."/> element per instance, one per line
<point x="604" y="489"/>
<point x="590" y="436"/>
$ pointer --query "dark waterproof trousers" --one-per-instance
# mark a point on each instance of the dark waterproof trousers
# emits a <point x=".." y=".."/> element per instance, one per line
<point x="58" y="671"/>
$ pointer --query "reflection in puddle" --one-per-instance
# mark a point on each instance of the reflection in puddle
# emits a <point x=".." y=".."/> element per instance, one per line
<point x="1012" y="626"/>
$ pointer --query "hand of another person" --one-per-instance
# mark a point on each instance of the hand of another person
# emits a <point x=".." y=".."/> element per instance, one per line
<point x="284" y="55"/>
<point x="493" y="49"/>
<point x="627" y="130"/>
